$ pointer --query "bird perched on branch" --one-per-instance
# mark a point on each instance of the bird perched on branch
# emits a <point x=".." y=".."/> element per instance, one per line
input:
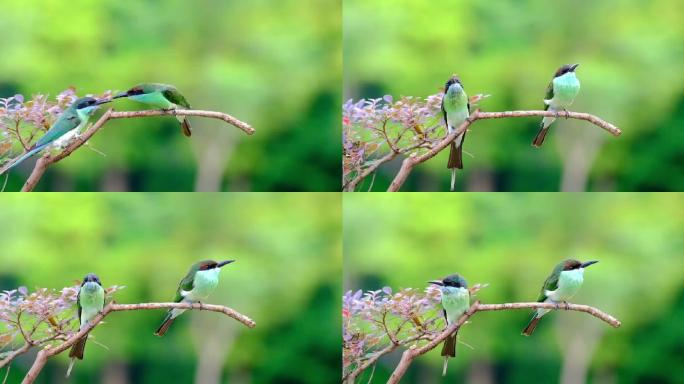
<point x="161" y="96"/>
<point x="455" y="302"/>
<point x="90" y="302"/>
<point x="456" y="109"/>
<point x="197" y="285"/>
<point x="560" y="94"/>
<point x="565" y="280"/>
<point x="69" y="123"/>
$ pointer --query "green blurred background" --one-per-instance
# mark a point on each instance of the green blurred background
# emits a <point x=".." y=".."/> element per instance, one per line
<point x="631" y="55"/>
<point x="286" y="277"/>
<point x="512" y="242"/>
<point x="275" y="64"/>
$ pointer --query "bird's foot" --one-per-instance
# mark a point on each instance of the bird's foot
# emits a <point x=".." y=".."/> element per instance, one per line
<point x="201" y="307"/>
<point x="567" y="116"/>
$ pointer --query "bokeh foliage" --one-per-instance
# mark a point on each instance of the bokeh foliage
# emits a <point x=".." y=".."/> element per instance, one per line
<point x="286" y="277"/>
<point x="630" y="56"/>
<point x="512" y="242"/>
<point x="274" y="64"/>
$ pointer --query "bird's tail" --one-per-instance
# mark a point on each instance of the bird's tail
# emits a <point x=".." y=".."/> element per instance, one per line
<point x="78" y="348"/>
<point x="18" y="161"/>
<point x="543" y="129"/>
<point x="532" y="324"/>
<point x="76" y="352"/>
<point x="455" y="158"/>
<point x="185" y="125"/>
<point x="168" y="320"/>
<point x="448" y="350"/>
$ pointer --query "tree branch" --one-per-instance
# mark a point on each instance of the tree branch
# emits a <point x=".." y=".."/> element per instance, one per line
<point x="46" y="160"/>
<point x="410" y="162"/>
<point x="410" y="354"/>
<point x="49" y="351"/>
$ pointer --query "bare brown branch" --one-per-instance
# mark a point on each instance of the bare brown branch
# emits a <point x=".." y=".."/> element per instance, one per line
<point x="49" y="350"/>
<point x="410" y="162"/>
<point x="414" y="351"/>
<point x="46" y="160"/>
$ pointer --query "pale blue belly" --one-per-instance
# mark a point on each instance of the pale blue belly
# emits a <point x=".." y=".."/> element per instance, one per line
<point x="155" y="99"/>
<point x="91" y="299"/>
<point x="569" y="282"/>
<point x="565" y="89"/>
<point x="204" y="284"/>
<point x="455" y="302"/>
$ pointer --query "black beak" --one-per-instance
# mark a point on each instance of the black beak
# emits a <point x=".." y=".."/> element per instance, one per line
<point x="103" y="101"/>
<point x="222" y="263"/>
<point x="122" y="94"/>
<point x="436" y="282"/>
<point x="588" y="263"/>
<point x="572" y="67"/>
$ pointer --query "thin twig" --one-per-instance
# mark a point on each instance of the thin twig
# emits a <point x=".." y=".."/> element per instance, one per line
<point x="410" y="162"/>
<point x="45" y="353"/>
<point x="414" y="351"/>
<point x="46" y="160"/>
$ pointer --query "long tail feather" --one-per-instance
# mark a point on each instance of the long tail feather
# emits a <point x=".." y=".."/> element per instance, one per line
<point x="543" y="130"/>
<point x="21" y="159"/>
<point x="531" y="325"/>
<point x="448" y="350"/>
<point x="185" y="126"/>
<point x="168" y="320"/>
<point x="78" y="348"/>
<point x="71" y="365"/>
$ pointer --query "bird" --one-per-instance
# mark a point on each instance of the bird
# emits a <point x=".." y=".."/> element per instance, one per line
<point x="455" y="302"/>
<point x="68" y="124"/>
<point x="90" y="302"/>
<point x="456" y="110"/>
<point x="162" y="96"/>
<point x="196" y="286"/>
<point x="563" y="283"/>
<point x="560" y="94"/>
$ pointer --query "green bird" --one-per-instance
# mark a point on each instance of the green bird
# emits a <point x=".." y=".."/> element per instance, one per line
<point x="196" y="286"/>
<point x="565" y="280"/>
<point x="456" y="109"/>
<point x="560" y="94"/>
<point x="161" y="96"/>
<point x="455" y="302"/>
<point x="90" y="302"/>
<point x="68" y="124"/>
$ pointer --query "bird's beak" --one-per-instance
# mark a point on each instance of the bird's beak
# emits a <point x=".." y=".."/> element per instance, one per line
<point x="222" y="263"/>
<point x="103" y="101"/>
<point x="122" y="94"/>
<point x="574" y="66"/>
<point x="436" y="282"/>
<point x="588" y="263"/>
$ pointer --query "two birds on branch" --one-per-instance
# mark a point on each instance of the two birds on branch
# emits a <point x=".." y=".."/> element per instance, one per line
<point x="74" y="119"/>
<point x="560" y="94"/>
<point x="563" y="283"/>
<point x="196" y="286"/>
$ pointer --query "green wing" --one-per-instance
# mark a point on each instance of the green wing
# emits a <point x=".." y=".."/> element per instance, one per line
<point x="65" y="123"/>
<point x="175" y="97"/>
<point x="549" y="94"/>
<point x="78" y="304"/>
<point x="551" y="283"/>
<point x="185" y="285"/>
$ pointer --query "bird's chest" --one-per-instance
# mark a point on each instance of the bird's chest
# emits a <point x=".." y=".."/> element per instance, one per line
<point x="565" y="88"/>
<point x="91" y="299"/>
<point x="455" y="302"/>
<point x="204" y="284"/>
<point x="156" y="99"/>
<point x="569" y="282"/>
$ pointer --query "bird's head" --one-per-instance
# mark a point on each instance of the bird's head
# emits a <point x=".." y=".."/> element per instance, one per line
<point x="87" y="105"/>
<point x="571" y="264"/>
<point x="137" y="90"/>
<point x="453" y="281"/>
<point x="565" y="69"/>
<point x="206" y="265"/>
<point x="454" y="79"/>
<point x="91" y="278"/>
